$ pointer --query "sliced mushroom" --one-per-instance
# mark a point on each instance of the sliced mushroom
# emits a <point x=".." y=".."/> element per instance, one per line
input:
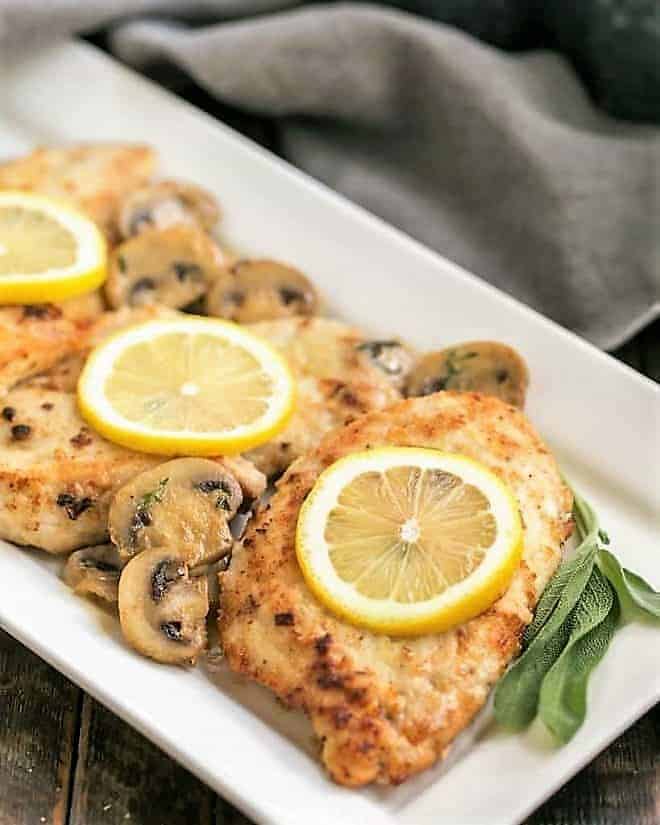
<point x="94" y="571"/>
<point x="478" y="366"/>
<point x="167" y="203"/>
<point x="162" y="609"/>
<point x="392" y="357"/>
<point x="171" y="266"/>
<point x="253" y="481"/>
<point x="211" y="573"/>
<point x="184" y="504"/>
<point x="258" y="290"/>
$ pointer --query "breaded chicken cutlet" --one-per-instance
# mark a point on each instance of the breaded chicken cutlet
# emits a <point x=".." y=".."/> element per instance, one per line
<point x="34" y="337"/>
<point x="337" y="380"/>
<point x="57" y="476"/>
<point x="94" y="177"/>
<point x="49" y="343"/>
<point x="385" y="708"/>
<point x="63" y="374"/>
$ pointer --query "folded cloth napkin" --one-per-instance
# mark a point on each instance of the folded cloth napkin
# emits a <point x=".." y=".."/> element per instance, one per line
<point x="500" y="161"/>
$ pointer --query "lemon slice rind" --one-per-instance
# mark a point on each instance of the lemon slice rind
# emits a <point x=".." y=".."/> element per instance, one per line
<point x="459" y="602"/>
<point x="86" y="273"/>
<point x="99" y="412"/>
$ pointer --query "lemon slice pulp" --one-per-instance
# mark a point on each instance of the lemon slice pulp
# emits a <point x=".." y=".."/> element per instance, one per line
<point x="189" y="386"/>
<point x="407" y="540"/>
<point x="48" y="251"/>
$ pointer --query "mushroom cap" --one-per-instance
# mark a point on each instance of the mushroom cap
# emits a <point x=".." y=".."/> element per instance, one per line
<point x="252" y="290"/>
<point x="167" y="203"/>
<point x="162" y="610"/>
<point x="94" y="571"/>
<point x="488" y="367"/>
<point x="392" y="357"/>
<point x="184" y="504"/>
<point x="172" y="266"/>
<point x="252" y="480"/>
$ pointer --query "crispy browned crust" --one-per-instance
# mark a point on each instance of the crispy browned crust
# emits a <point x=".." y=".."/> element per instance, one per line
<point x="35" y="337"/>
<point x="95" y="177"/>
<point x="46" y="345"/>
<point x="60" y="459"/>
<point x="386" y="708"/>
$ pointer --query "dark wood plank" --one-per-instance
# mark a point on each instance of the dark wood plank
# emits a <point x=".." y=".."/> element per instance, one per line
<point x="122" y="779"/>
<point x="39" y="711"/>
<point x="225" y="814"/>
<point x="620" y="787"/>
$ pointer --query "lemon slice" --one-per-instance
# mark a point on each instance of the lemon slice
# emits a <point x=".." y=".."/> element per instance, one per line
<point x="188" y="386"/>
<point x="407" y="541"/>
<point x="48" y="251"/>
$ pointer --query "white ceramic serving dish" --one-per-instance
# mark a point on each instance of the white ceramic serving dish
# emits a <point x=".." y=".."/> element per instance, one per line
<point x="601" y="418"/>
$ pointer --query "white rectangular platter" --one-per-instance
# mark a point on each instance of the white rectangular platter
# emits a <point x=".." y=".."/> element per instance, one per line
<point x="601" y="418"/>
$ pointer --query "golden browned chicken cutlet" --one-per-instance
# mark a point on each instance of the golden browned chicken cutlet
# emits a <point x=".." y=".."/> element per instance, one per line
<point x="96" y="178"/>
<point x="337" y="378"/>
<point x="385" y="708"/>
<point x="85" y="307"/>
<point x="57" y="476"/>
<point x="64" y="373"/>
<point x="35" y="337"/>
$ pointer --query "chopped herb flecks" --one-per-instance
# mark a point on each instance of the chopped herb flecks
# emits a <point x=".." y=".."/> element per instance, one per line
<point x="142" y="516"/>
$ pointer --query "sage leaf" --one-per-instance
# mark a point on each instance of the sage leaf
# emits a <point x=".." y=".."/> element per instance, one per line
<point x="563" y="698"/>
<point x="585" y="518"/>
<point x="579" y="565"/>
<point x="575" y="620"/>
<point x="629" y="585"/>
<point x="517" y="693"/>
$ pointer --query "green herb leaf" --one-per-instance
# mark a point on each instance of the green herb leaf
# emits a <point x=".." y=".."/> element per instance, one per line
<point x="629" y="585"/>
<point x="517" y="694"/>
<point x="578" y="566"/>
<point x="153" y="496"/>
<point x="563" y="697"/>
<point x="145" y="503"/>
<point x="586" y="520"/>
<point x="575" y="620"/>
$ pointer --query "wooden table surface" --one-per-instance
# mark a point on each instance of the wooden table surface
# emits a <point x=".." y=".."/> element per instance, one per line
<point x="66" y="760"/>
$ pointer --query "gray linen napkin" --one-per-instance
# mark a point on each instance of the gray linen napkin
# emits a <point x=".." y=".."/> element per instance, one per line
<point x="499" y="161"/>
